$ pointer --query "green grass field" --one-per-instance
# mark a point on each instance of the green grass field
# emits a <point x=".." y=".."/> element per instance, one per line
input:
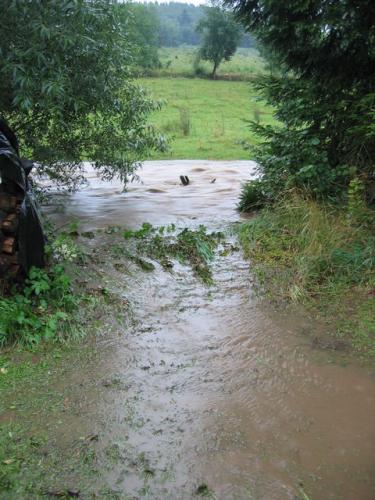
<point x="179" y="61"/>
<point x="206" y="119"/>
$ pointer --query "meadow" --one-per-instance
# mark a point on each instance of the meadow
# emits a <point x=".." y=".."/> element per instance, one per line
<point x="181" y="61"/>
<point x="206" y="119"/>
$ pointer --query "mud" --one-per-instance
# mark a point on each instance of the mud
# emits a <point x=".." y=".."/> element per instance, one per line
<point x="208" y="391"/>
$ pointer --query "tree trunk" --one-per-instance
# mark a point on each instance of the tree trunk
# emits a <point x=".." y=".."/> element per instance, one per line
<point x="213" y="74"/>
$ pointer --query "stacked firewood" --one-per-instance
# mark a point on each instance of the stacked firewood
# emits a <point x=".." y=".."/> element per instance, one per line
<point x="9" y="221"/>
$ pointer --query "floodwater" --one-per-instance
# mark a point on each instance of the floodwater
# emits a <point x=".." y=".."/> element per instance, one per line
<point x="209" y="391"/>
<point x="159" y="198"/>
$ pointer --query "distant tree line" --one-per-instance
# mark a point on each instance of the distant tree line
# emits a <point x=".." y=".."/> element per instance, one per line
<point x="174" y="24"/>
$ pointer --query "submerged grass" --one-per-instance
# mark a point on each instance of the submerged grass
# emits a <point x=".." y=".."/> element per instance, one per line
<point x="188" y="246"/>
<point x="306" y="252"/>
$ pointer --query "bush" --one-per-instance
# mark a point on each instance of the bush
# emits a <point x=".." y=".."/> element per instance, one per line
<point x="41" y="311"/>
<point x="253" y="196"/>
<point x="298" y="159"/>
<point x="325" y="104"/>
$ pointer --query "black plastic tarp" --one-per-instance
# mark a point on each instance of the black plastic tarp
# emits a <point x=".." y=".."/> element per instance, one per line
<point x="30" y="236"/>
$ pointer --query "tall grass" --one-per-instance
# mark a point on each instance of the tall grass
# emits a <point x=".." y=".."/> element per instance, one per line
<point x="180" y="126"/>
<point x="185" y="123"/>
<point x="313" y="253"/>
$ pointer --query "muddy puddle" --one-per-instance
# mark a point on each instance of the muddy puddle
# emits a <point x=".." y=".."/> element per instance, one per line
<point x="208" y="392"/>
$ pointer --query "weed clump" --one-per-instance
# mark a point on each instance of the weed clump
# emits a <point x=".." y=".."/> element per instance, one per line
<point x="253" y="196"/>
<point x="40" y="311"/>
<point x="185" y="123"/>
<point x="307" y="252"/>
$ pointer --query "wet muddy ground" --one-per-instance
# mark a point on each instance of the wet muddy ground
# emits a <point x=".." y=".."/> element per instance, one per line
<point x="205" y="390"/>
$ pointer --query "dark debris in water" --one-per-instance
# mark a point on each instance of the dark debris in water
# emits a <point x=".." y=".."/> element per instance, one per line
<point x="329" y="344"/>
<point x="204" y="491"/>
<point x="63" y="493"/>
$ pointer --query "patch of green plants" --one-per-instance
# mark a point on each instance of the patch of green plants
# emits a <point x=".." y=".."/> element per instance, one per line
<point x="13" y="455"/>
<point x="253" y="196"/>
<point x="313" y="253"/>
<point x="145" y="230"/>
<point x="204" y="491"/>
<point x="39" y="310"/>
<point x="44" y="307"/>
<point x="195" y="247"/>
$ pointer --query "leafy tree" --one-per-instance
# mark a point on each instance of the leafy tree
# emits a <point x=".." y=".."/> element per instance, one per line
<point x="65" y="88"/>
<point x="221" y="35"/>
<point x="170" y="33"/>
<point x="144" y="32"/>
<point x="323" y="92"/>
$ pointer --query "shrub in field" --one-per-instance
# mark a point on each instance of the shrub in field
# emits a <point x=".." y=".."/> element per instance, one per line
<point x="185" y="123"/>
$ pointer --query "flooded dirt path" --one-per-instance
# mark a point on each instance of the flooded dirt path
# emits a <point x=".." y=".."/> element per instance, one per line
<point x="208" y="392"/>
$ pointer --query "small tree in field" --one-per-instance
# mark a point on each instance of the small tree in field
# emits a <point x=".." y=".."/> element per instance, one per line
<point x="221" y="35"/>
<point x="66" y="90"/>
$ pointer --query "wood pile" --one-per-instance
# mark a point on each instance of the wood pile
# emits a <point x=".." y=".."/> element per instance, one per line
<point x="9" y="220"/>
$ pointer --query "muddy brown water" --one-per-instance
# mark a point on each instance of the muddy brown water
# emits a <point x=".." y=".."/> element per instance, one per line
<point x="210" y="391"/>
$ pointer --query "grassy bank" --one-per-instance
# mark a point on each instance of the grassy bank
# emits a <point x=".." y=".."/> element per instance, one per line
<point x="180" y="62"/>
<point x="322" y="257"/>
<point x="206" y="119"/>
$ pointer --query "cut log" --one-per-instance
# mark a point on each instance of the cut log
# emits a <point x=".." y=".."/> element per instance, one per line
<point x="9" y="246"/>
<point x="8" y="203"/>
<point x="13" y="259"/>
<point x="4" y="264"/>
<point x="10" y="224"/>
<point x="14" y="270"/>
